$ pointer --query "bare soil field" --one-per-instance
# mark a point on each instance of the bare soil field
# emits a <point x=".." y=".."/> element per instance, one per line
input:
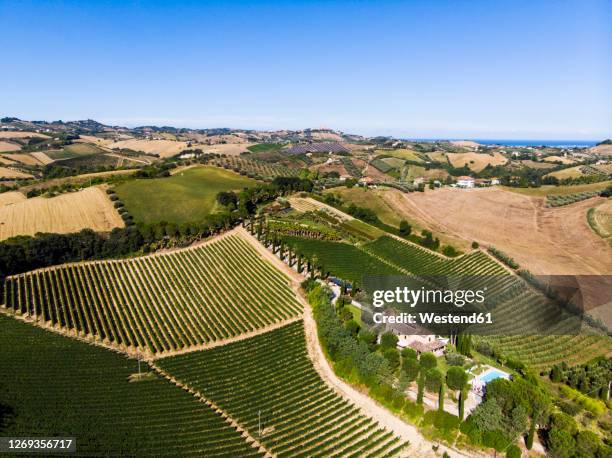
<point x="547" y="241"/>
<point x="326" y="168"/>
<point x="604" y="150"/>
<point x="89" y="208"/>
<point x="20" y="134"/>
<point x="165" y="148"/>
<point x="476" y="161"/>
<point x="10" y="173"/>
<point x="11" y="197"/>
<point x="231" y="149"/>
<point x="8" y="146"/>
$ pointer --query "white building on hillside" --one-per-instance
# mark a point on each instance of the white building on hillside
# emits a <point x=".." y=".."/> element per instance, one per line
<point x="465" y="182"/>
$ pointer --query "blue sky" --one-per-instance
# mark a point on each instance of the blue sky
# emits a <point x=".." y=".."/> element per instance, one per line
<point x="449" y="69"/>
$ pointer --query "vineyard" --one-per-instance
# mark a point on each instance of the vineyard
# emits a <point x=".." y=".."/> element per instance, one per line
<point x="56" y="386"/>
<point x="255" y="169"/>
<point x="268" y="384"/>
<point x="158" y="303"/>
<point x="524" y="315"/>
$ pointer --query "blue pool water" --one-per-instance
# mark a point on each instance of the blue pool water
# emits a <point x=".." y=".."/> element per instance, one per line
<point x="492" y="375"/>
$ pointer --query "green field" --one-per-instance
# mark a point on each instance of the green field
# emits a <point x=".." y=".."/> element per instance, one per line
<point x="401" y="154"/>
<point x="543" y="191"/>
<point x="56" y="386"/>
<point x="189" y="195"/>
<point x="265" y="147"/>
<point x="369" y="198"/>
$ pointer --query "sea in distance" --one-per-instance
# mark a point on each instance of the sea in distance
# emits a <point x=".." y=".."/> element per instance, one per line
<point x="519" y="143"/>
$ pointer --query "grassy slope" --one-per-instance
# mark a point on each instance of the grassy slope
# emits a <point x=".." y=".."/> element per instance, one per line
<point x="265" y="147"/>
<point x="52" y="385"/>
<point x="559" y="190"/>
<point x="186" y="196"/>
<point x="401" y="154"/>
<point x="368" y="198"/>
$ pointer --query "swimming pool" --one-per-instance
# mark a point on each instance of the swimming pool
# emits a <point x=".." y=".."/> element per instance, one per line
<point x="492" y="374"/>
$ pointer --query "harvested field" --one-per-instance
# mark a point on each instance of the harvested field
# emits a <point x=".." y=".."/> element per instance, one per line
<point x="232" y="149"/>
<point x="165" y="148"/>
<point x="572" y="172"/>
<point x="10" y="173"/>
<point x="405" y="154"/>
<point x="6" y="161"/>
<point x="89" y="208"/>
<point x="547" y="241"/>
<point x="95" y="140"/>
<point x="42" y="158"/>
<point x="476" y="161"/>
<point x="536" y="165"/>
<point x="604" y="150"/>
<point x="74" y="179"/>
<point x="544" y="191"/>
<point x="19" y="134"/>
<point x="466" y="144"/>
<point x="561" y="159"/>
<point x="26" y="159"/>
<point x="11" y="197"/>
<point x="8" y="146"/>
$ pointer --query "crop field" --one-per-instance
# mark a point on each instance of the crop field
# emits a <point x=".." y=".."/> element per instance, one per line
<point x="308" y="204"/>
<point x="23" y="158"/>
<point x="158" y="303"/>
<point x="342" y="259"/>
<point x="404" y="154"/>
<point x="8" y="146"/>
<point x="186" y="196"/>
<point x="13" y="174"/>
<point x="71" y="212"/>
<point x="20" y="134"/>
<point x="256" y="169"/>
<point x="165" y="148"/>
<point x="57" y="386"/>
<point x="11" y="197"/>
<point x="269" y="385"/>
<point x="265" y="147"/>
<point x="476" y="161"/>
<point x="547" y="190"/>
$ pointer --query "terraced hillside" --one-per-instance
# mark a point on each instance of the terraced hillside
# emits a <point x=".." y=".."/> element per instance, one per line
<point x="158" y="303"/>
<point x="268" y="384"/>
<point x="256" y="169"/>
<point x="53" y="385"/>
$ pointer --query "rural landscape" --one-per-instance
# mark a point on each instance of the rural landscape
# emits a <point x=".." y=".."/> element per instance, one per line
<point x="201" y="292"/>
<point x="299" y="229"/>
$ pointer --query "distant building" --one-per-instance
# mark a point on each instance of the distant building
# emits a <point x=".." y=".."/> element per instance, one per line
<point x="495" y="181"/>
<point x="419" y="180"/>
<point x="465" y="182"/>
<point x="366" y="181"/>
<point x="417" y="338"/>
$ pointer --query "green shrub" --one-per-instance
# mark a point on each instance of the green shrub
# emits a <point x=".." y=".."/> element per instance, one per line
<point x="441" y="420"/>
<point x="413" y="410"/>
<point x="513" y="452"/>
<point x="495" y="439"/>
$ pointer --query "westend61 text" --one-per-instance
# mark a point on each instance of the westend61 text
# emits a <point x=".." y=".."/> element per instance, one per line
<point x="433" y="318"/>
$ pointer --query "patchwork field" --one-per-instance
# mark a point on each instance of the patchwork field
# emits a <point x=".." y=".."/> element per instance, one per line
<point x="165" y="148"/>
<point x="89" y="208"/>
<point x="160" y="303"/>
<point x="189" y="195"/>
<point x="268" y="384"/>
<point x="404" y="154"/>
<point x="68" y="388"/>
<point x="20" y="134"/>
<point x="13" y="174"/>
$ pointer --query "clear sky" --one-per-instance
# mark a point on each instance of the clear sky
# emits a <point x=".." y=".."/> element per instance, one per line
<point x="449" y="69"/>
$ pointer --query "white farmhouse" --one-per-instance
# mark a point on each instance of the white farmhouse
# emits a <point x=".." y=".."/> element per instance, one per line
<point x="465" y="182"/>
<point x="417" y="338"/>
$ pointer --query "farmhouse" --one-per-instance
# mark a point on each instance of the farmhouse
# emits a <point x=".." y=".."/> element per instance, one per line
<point x="465" y="182"/>
<point x="417" y="338"/>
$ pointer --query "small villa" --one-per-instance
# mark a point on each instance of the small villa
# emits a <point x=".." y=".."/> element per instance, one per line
<point x="465" y="182"/>
<point x="417" y="338"/>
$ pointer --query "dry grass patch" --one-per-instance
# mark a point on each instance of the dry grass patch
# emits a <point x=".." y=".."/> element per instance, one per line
<point x="563" y="160"/>
<point x="25" y="158"/>
<point x="8" y="146"/>
<point x="10" y="173"/>
<point x="165" y="148"/>
<point x="19" y="134"/>
<point x="232" y="149"/>
<point x="89" y="208"/>
<point x="42" y="158"/>
<point x="11" y="197"/>
<point x="476" y="161"/>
